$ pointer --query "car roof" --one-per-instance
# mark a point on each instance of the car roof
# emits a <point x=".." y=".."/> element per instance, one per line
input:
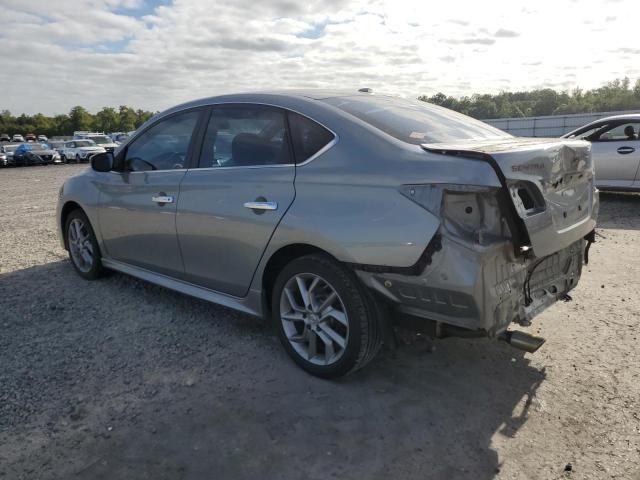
<point x="283" y="98"/>
<point x="626" y="116"/>
<point x="267" y="96"/>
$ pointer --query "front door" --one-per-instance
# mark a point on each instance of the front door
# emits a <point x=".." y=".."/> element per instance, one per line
<point x="137" y="205"/>
<point x="232" y="200"/>
<point x="616" y="154"/>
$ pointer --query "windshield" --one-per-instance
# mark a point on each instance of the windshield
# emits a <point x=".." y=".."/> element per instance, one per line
<point x="101" y="139"/>
<point x="414" y="121"/>
<point x="85" y="143"/>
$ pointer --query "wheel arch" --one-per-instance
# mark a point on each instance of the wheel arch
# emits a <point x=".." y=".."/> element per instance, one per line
<point x="277" y="262"/>
<point x="67" y="208"/>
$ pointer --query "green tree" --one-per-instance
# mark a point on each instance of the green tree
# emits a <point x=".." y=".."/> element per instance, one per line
<point x="128" y="119"/>
<point x="80" y="119"/>
<point x="142" y="116"/>
<point x="107" y="120"/>
<point x="615" y="95"/>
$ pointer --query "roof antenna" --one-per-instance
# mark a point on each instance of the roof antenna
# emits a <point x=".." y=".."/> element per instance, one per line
<point x="366" y="90"/>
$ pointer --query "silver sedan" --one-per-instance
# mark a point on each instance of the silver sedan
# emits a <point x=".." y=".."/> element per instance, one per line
<point x="336" y="214"/>
<point x="615" y="150"/>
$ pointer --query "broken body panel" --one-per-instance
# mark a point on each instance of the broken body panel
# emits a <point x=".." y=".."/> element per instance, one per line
<point x="503" y="254"/>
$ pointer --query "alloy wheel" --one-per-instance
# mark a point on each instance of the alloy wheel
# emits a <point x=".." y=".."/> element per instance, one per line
<point x="80" y="246"/>
<point x="314" y="319"/>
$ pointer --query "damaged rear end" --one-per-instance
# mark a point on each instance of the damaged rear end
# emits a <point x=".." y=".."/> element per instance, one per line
<point x="501" y="254"/>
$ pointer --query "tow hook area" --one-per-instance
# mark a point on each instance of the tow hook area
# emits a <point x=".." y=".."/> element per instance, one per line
<point x="522" y="341"/>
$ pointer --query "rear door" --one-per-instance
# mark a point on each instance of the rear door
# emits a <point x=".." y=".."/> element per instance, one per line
<point x="232" y="200"/>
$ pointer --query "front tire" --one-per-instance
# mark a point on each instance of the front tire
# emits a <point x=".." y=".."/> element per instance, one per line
<point x="84" y="252"/>
<point x="78" y="160"/>
<point x="325" y="318"/>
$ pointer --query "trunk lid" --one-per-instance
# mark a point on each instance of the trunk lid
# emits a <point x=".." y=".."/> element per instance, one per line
<point x="550" y="184"/>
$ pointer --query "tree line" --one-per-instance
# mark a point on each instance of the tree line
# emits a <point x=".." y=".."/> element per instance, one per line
<point x="616" y="95"/>
<point x="109" y="119"/>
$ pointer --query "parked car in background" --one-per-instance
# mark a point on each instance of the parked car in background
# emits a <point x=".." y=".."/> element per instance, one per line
<point x="46" y="153"/>
<point x="5" y="137"/>
<point x="42" y="138"/>
<point x="81" y="134"/>
<point x="334" y="213"/>
<point x="57" y="145"/>
<point x="615" y="148"/>
<point x="30" y="137"/>
<point x="80" y="150"/>
<point x="24" y="156"/>
<point x="17" y="138"/>
<point x="103" y="141"/>
<point x="6" y="152"/>
<point x="119" y="137"/>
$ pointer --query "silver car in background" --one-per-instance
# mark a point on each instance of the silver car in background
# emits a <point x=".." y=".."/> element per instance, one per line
<point x="336" y="214"/>
<point x="615" y="150"/>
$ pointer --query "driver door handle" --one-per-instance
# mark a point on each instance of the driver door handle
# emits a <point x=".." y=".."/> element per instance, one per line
<point x="162" y="199"/>
<point x="625" y="150"/>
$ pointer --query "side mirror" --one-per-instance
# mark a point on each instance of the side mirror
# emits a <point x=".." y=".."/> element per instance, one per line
<point x="102" y="162"/>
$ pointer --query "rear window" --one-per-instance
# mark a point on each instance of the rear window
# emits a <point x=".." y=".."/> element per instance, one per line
<point x="415" y="122"/>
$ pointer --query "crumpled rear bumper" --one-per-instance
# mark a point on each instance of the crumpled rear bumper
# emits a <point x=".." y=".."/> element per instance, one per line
<point x="482" y="288"/>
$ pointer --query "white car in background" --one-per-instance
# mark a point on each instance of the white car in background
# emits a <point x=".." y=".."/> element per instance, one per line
<point x="615" y="149"/>
<point x="80" y="150"/>
<point x="103" y="141"/>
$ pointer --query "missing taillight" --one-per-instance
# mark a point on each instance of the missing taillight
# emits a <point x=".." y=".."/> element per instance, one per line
<point x="527" y="200"/>
<point x="469" y="212"/>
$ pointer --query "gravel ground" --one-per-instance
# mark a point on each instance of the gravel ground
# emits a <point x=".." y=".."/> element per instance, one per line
<point x="122" y="379"/>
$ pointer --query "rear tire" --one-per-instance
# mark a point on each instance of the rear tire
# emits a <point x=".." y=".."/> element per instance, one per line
<point x="326" y="320"/>
<point x="81" y="241"/>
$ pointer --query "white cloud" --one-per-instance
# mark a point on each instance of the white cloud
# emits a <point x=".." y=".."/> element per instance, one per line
<point x="114" y="52"/>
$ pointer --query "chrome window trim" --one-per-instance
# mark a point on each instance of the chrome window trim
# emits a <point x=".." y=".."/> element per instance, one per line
<point x="336" y="137"/>
<point x="238" y="167"/>
<point x="333" y="142"/>
<point x="152" y="171"/>
<point x="321" y="151"/>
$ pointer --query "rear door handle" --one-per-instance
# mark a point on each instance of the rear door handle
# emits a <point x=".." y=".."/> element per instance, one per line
<point x="162" y="199"/>
<point x="626" y="150"/>
<point x="261" y="205"/>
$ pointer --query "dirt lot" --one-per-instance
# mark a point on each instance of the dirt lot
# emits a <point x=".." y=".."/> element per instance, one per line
<point x="122" y="379"/>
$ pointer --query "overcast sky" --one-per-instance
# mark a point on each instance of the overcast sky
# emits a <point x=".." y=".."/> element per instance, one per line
<point x="152" y="54"/>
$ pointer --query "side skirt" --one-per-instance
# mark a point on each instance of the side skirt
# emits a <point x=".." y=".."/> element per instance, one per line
<point x="248" y="304"/>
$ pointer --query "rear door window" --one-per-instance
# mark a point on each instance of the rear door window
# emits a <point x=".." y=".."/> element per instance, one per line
<point x="245" y="135"/>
